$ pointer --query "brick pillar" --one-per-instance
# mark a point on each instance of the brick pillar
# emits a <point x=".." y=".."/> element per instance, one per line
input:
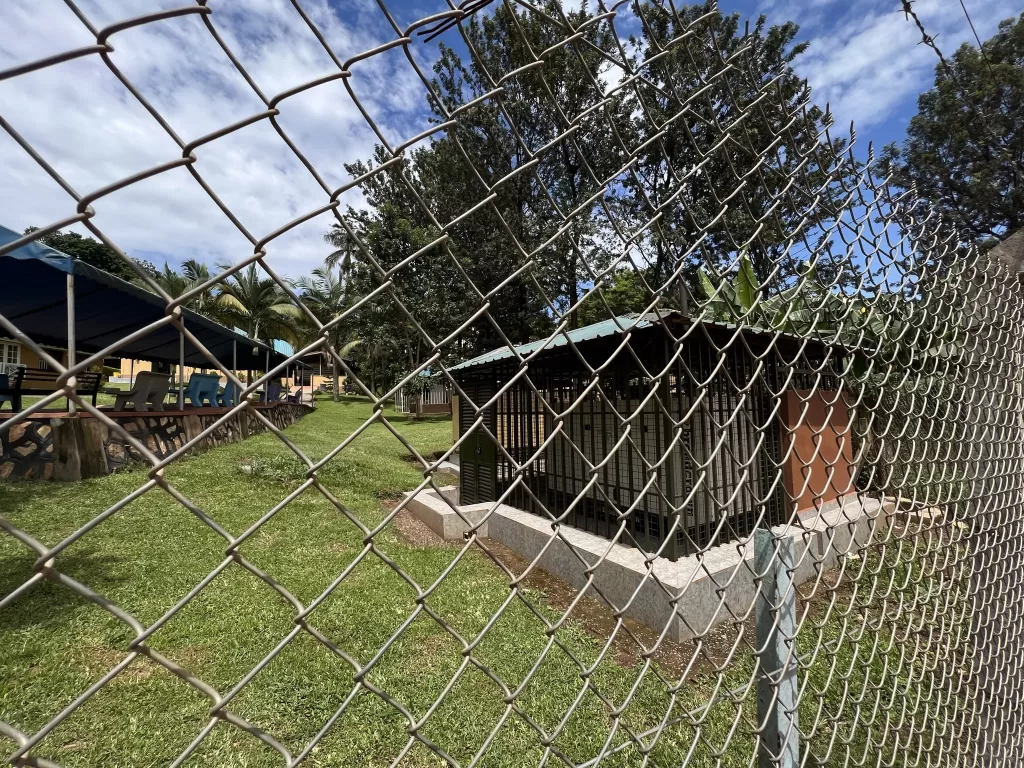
<point x="817" y="447"/>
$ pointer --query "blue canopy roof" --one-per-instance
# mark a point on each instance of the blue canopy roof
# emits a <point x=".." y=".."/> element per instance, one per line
<point x="33" y="296"/>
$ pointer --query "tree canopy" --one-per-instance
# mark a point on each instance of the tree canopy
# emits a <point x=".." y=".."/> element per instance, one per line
<point x="94" y="253"/>
<point x="257" y="304"/>
<point x="562" y="194"/>
<point x="549" y="196"/>
<point x="964" y="148"/>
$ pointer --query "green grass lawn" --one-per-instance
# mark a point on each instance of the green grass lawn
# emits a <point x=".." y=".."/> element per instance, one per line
<point x="61" y="403"/>
<point x="54" y="644"/>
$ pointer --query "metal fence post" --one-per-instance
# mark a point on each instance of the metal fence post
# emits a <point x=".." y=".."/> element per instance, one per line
<point x="775" y="636"/>
<point x="72" y="341"/>
<point x="181" y="369"/>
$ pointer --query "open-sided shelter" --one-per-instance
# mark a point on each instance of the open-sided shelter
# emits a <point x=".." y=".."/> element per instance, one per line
<point x="63" y="303"/>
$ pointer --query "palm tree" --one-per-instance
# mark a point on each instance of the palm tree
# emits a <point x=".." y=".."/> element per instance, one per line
<point x="173" y="283"/>
<point x="324" y="295"/>
<point x="193" y="273"/>
<point x="344" y="256"/>
<point x="257" y="305"/>
<point x="205" y="302"/>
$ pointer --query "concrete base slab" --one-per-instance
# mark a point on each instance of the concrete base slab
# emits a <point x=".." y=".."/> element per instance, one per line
<point x="914" y="513"/>
<point x="690" y="595"/>
<point x="452" y="467"/>
<point x="441" y="514"/>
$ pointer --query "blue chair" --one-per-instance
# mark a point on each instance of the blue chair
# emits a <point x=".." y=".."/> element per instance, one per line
<point x="202" y="386"/>
<point x="229" y="396"/>
<point x="274" y="391"/>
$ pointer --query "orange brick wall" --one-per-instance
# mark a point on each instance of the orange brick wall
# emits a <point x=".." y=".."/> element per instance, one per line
<point x="819" y="464"/>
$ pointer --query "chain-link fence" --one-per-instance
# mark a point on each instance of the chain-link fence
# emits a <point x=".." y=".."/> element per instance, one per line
<point x="735" y="473"/>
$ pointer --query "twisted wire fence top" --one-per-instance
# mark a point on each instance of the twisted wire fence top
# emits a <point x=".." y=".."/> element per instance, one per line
<point x="663" y="149"/>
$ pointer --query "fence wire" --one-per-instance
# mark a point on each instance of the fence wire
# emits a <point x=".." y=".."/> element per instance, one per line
<point x="787" y="299"/>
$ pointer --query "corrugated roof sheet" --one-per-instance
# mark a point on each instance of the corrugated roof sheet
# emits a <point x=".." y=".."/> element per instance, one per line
<point x="622" y="323"/>
<point x="608" y="327"/>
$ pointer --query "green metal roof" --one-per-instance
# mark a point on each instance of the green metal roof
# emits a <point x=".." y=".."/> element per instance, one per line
<point x="630" y="322"/>
<point x="608" y="327"/>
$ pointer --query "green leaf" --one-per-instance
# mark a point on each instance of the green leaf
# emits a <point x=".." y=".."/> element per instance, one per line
<point x="705" y="283"/>
<point x="347" y="349"/>
<point x="747" y="287"/>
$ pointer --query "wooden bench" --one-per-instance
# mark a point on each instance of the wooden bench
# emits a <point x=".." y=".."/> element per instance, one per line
<point x="31" y="381"/>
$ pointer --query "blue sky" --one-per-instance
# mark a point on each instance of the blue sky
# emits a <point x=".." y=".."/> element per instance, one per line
<point x="865" y="57"/>
<point x="864" y="60"/>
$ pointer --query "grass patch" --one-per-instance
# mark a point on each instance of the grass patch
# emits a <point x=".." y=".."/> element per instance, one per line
<point x="146" y="557"/>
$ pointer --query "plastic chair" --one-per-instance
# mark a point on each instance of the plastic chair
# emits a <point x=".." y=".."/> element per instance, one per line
<point x="149" y="389"/>
<point x="202" y="387"/>
<point x="229" y="397"/>
<point x="301" y="395"/>
<point x="13" y="382"/>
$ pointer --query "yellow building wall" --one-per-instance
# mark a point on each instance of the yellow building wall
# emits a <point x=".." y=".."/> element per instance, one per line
<point x="130" y="368"/>
<point x="30" y="359"/>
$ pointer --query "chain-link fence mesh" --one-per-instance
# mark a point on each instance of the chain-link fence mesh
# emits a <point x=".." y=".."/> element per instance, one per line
<point x="806" y="350"/>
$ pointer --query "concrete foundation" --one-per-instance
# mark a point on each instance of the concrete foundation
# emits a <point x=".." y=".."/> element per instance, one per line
<point x="690" y="595"/>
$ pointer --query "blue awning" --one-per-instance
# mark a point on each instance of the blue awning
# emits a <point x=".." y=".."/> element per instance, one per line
<point x="33" y="296"/>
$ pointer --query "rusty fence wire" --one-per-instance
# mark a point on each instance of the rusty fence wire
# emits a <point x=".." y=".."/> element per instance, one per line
<point x="787" y="476"/>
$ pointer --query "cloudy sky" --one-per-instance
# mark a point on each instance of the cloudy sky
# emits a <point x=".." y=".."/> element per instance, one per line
<point x="863" y="60"/>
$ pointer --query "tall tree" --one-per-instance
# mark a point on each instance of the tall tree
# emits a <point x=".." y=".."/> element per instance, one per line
<point x="426" y="286"/>
<point x="345" y="253"/>
<point x="94" y="253"/>
<point x="624" y="294"/>
<point x="193" y="274"/>
<point x="748" y="168"/>
<point x="964" y="149"/>
<point x="560" y="171"/>
<point x="558" y="106"/>
<point x="205" y="302"/>
<point x="171" y="281"/>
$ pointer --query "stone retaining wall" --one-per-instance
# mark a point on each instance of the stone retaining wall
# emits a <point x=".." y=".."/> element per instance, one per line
<point x="26" y="451"/>
<point x="76" y="447"/>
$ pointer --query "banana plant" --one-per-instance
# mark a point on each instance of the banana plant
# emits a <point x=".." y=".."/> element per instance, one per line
<point x="806" y="307"/>
<point x="890" y="324"/>
<point x="731" y="301"/>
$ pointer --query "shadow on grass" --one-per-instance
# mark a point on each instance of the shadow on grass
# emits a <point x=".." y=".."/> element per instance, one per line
<point x="47" y="602"/>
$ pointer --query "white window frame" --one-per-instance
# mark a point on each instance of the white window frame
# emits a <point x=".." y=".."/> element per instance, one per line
<point x="6" y="364"/>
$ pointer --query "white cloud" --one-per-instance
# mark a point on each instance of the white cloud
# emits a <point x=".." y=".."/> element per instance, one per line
<point x="83" y="121"/>
<point x="865" y="59"/>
